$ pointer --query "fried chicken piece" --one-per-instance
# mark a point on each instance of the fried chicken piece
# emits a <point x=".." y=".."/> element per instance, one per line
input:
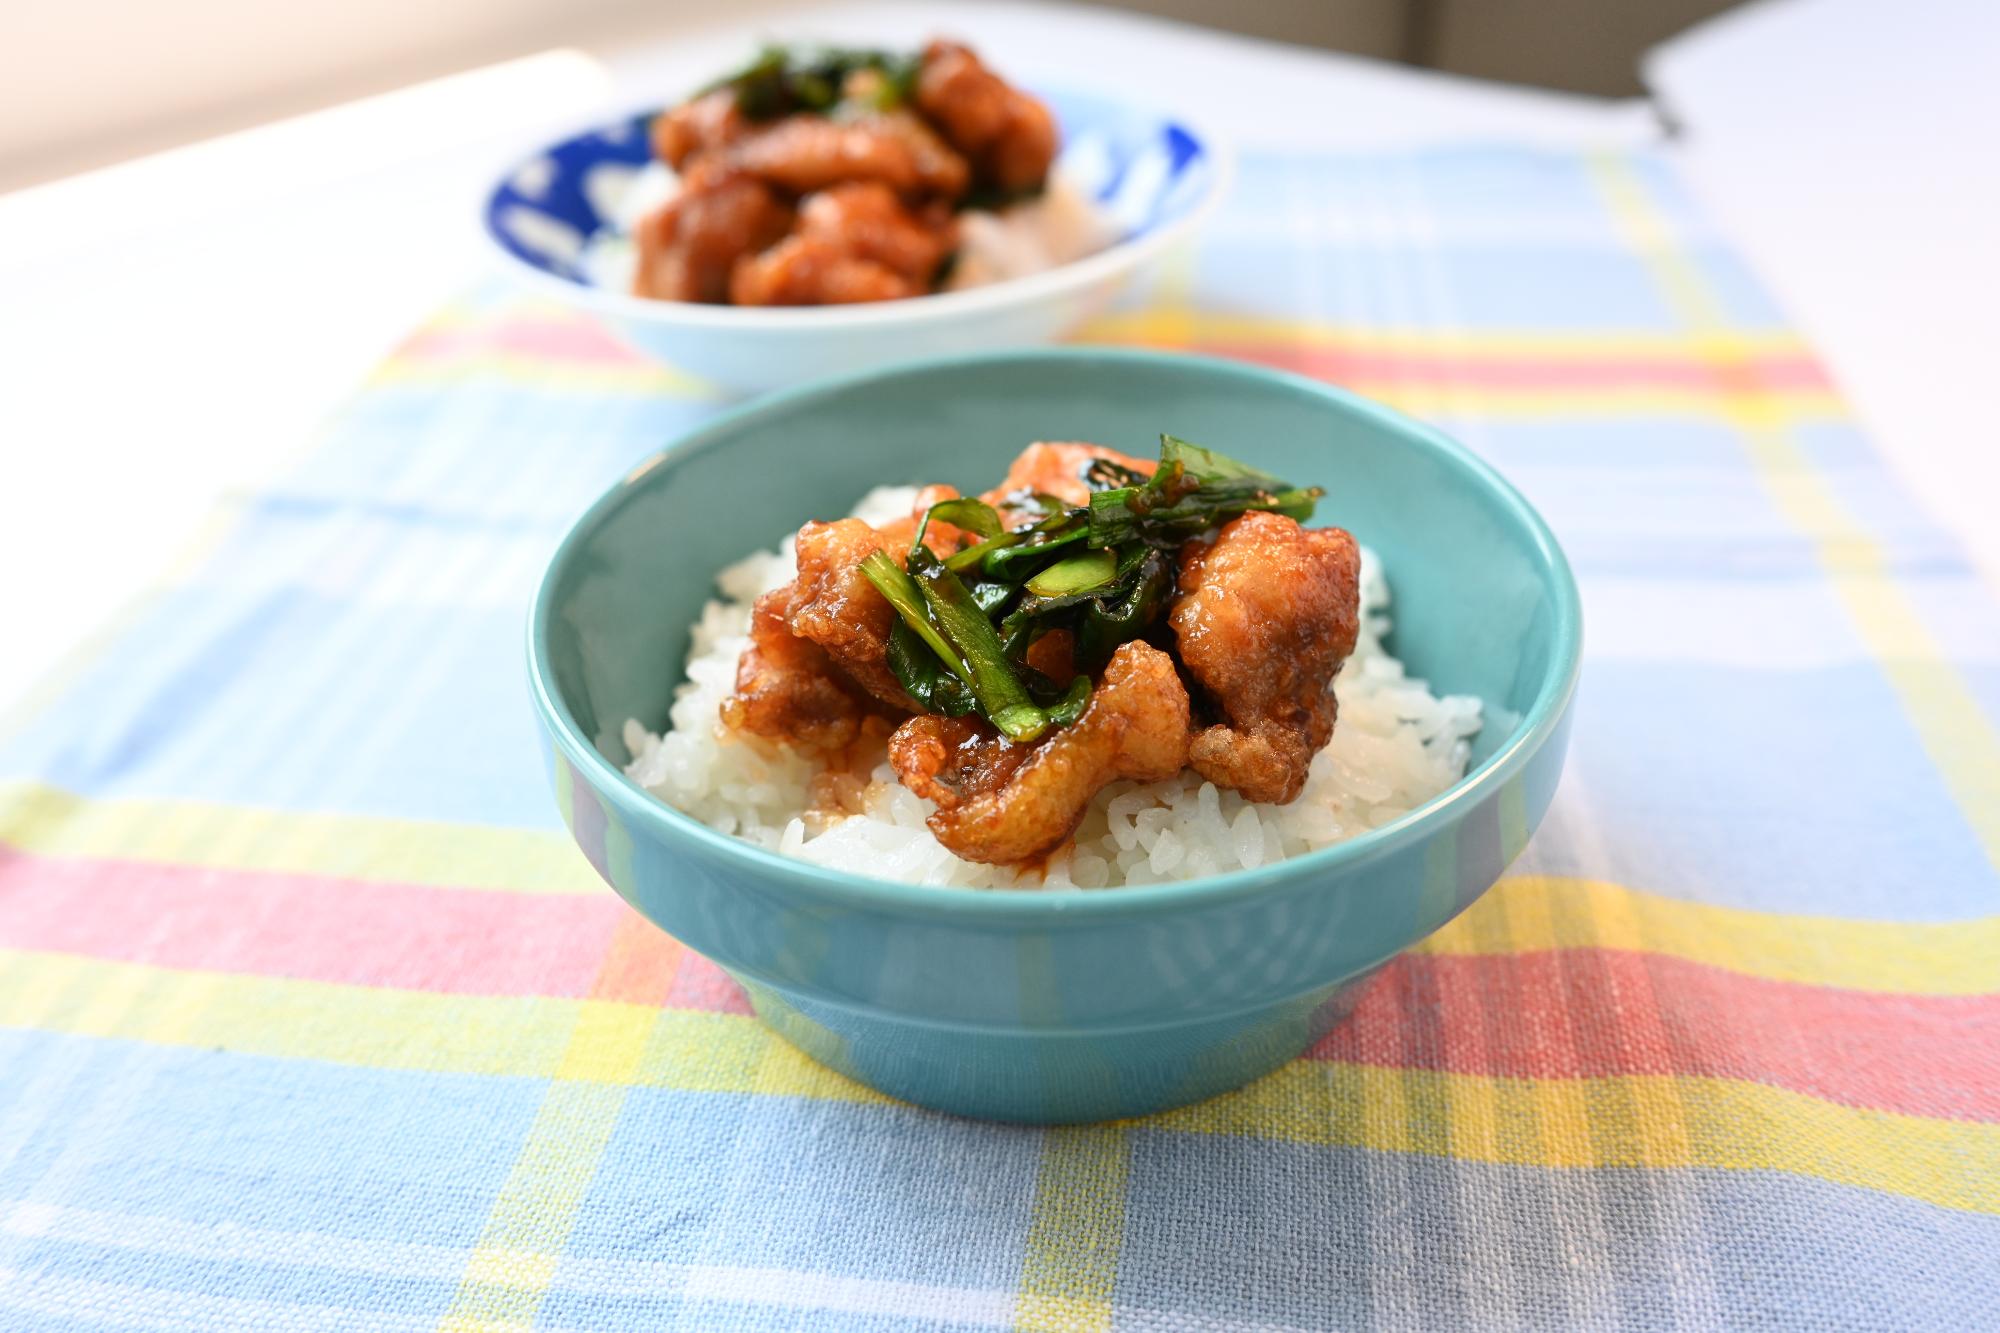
<point x="1057" y="469"/>
<point x="818" y="656"/>
<point x="835" y="606"/>
<point x="805" y="270"/>
<point x="1019" y="161"/>
<point x="1264" y="619"/>
<point x="855" y="242"/>
<point x="698" y="125"/>
<point x="689" y="245"/>
<point x="952" y="760"/>
<point x="807" y="153"/>
<point x="942" y="171"/>
<point x="1003" y="803"/>
<point x="786" y="688"/>
<point x="963" y="98"/>
<point x="1009" y="137"/>
<point x="870" y="222"/>
<point x="803" y="153"/>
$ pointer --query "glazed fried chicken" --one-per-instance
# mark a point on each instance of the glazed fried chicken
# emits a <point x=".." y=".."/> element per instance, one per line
<point x="806" y="153"/>
<point x="1009" y="136"/>
<point x="787" y="689"/>
<point x="835" y="607"/>
<point x="699" y="125"/>
<point x="732" y="234"/>
<point x="1002" y="802"/>
<point x="817" y="660"/>
<point x="802" y="270"/>
<point x="689" y="247"/>
<point x="833" y="178"/>
<point x="1265" y="617"/>
<point x="870" y="221"/>
<point x="854" y="242"/>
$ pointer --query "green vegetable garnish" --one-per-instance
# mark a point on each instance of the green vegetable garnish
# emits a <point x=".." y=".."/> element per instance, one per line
<point x="924" y="677"/>
<point x="1107" y="622"/>
<point x="1104" y="572"/>
<point x="1193" y="490"/>
<point x="1210" y="466"/>
<point x="991" y="597"/>
<point x="1002" y="696"/>
<point x="1016" y="561"/>
<point x="1078" y="573"/>
<point x="1070" y="707"/>
<point x="906" y="595"/>
<point x="974" y="554"/>
<point x="966" y="512"/>
<point x="975" y="516"/>
<point x="820" y="81"/>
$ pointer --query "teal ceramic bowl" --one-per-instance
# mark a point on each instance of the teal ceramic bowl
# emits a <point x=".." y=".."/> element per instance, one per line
<point x="1063" y="1005"/>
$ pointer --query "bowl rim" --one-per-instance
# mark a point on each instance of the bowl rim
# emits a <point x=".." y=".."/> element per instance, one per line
<point x="1050" y="907"/>
<point x="932" y="307"/>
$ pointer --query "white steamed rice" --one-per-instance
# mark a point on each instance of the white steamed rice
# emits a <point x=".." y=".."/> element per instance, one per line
<point x="1396" y="746"/>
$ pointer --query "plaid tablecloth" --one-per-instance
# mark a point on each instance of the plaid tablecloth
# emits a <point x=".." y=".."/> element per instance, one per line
<point x="311" y="1017"/>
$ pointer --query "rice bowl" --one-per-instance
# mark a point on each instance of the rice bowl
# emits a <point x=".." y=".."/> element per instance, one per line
<point x="1066" y="1006"/>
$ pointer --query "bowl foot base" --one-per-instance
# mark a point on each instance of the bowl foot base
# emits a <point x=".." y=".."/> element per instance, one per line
<point x="1052" y="1078"/>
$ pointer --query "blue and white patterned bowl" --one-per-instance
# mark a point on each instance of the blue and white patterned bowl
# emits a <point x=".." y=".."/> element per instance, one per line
<point x="1153" y="175"/>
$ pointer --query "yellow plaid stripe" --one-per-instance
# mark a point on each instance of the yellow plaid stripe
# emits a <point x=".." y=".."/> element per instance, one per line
<point x="1680" y="1120"/>
<point x="1070" y="1265"/>
<point x="1953" y="728"/>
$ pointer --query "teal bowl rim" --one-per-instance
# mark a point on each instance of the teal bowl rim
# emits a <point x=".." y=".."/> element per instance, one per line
<point x="1049" y="908"/>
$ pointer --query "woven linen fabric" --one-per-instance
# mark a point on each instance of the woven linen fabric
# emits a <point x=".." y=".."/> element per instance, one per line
<point x="311" y="1017"/>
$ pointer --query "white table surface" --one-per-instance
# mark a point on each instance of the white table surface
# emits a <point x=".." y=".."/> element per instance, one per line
<point x="1851" y="150"/>
<point x="174" y="328"/>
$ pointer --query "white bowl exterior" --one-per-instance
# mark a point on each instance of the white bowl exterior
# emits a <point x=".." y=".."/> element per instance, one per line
<point x="753" y="359"/>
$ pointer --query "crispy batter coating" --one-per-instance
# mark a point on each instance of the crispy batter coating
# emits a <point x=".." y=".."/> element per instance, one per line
<point x="966" y="100"/>
<point x="689" y="245"/>
<point x="854" y="242"/>
<point x="699" y="125"/>
<point x="817" y="664"/>
<point x="836" y="607"/>
<point x="804" y="270"/>
<point x="786" y="688"/>
<point x="1003" y="803"/>
<point x="1057" y="469"/>
<point x="942" y="170"/>
<point x="1009" y="136"/>
<point x="871" y="222"/>
<point x="952" y="760"/>
<point x="1264" y="619"/>
<point x="802" y="154"/>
